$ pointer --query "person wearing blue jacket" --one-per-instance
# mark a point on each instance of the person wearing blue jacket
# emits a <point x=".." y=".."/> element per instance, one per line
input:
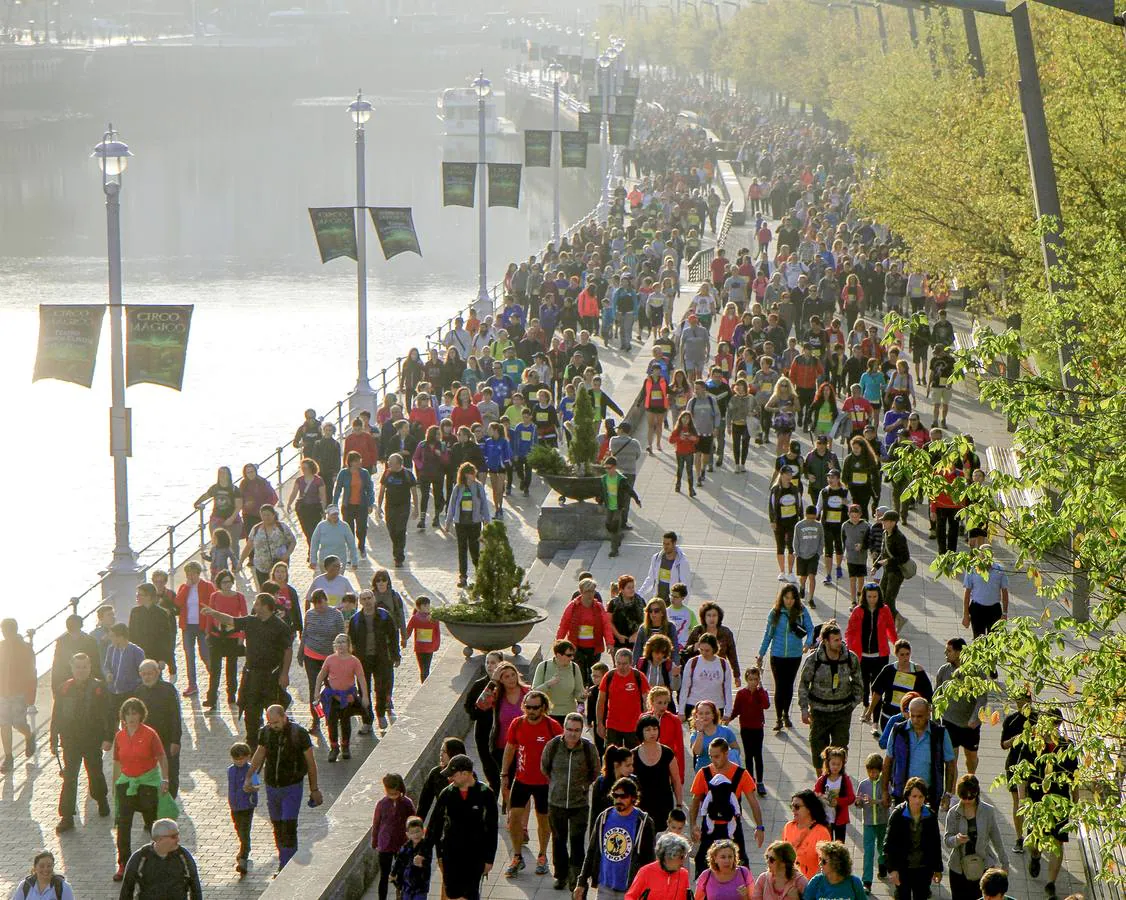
<point x="355" y="488"/>
<point x="332" y="537"/>
<point x="523" y="438"/>
<point x="468" y="510"/>
<point x="788" y="635"/>
<point x="498" y="457"/>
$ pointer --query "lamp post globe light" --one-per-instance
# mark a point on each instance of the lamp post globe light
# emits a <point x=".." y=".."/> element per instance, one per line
<point x="484" y="305"/>
<point x="555" y="73"/>
<point x="362" y="396"/>
<point x="119" y="585"/>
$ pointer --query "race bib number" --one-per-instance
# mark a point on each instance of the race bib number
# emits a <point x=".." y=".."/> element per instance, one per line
<point x="787" y="506"/>
<point x="586" y="632"/>
<point x="859" y="477"/>
<point x="541" y="416"/>
<point x="656" y="395"/>
<point x="833" y="515"/>
<point x="467" y="505"/>
<point x="425" y="635"/>
<point x="664" y="575"/>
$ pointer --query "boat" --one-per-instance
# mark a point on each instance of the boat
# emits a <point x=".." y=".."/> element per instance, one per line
<point x="457" y="111"/>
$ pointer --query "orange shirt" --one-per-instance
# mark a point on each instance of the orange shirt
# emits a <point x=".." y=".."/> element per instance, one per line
<point x="356" y="490"/>
<point x="805" y="841"/>
<point x="745" y="786"/>
<point x="137" y="753"/>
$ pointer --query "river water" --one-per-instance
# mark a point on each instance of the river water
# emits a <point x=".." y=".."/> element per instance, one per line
<point x="214" y="214"/>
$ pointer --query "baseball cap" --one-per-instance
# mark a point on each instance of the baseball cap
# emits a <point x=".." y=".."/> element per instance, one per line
<point x="459" y="763"/>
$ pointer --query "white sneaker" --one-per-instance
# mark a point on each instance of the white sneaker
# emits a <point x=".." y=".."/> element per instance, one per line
<point x="792" y="578"/>
<point x="782" y="576"/>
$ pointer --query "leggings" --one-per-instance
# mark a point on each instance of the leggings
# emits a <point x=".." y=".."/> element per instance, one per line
<point x="386" y="859"/>
<point x="426" y="487"/>
<point x="870" y="667"/>
<point x="740" y="443"/>
<point x="947" y="527"/>
<point x="752" y="751"/>
<point x="785" y="669"/>
<point x="861" y="496"/>
<point x="833" y="543"/>
<point x="312" y="670"/>
<point x="357" y="519"/>
<point x="684" y="463"/>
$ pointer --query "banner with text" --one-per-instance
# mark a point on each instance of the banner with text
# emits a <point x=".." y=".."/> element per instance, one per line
<point x="620" y="127"/>
<point x="504" y="184"/>
<point x="459" y="182"/>
<point x="335" y="229"/>
<point x="537" y="148"/>
<point x="573" y="149"/>
<point x="68" y="342"/>
<point x="591" y="125"/>
<point x="395" y="227"/>
<point x="156" y="344"/>
<point x="625" y="105"/>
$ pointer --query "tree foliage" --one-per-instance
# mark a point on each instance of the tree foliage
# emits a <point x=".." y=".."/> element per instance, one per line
<point x="583" y="449"/>
<point x="499" y="589"/>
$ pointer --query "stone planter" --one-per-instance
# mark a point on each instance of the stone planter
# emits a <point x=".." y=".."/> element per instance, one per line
<point x="575" y="487"/>
<point x="486" y="636"/>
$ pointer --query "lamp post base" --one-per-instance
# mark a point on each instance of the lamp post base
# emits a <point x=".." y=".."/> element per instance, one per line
<point x="119" y="587"/>
<point x="362" y="398"/>
<point x="483" y="305"/>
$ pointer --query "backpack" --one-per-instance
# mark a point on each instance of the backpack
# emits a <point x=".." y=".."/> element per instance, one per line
<point x="721" y="797"/>
<point x="56" y="883"/>
<point x="146" y="852"/>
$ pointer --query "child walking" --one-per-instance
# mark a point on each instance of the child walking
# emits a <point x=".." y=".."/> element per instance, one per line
<point x="685" y="439"/>
<point x="223" y="555"/>
<point x="242" y="802"/>
<point x="751" y="703"/>
<point x="427" y="635"/>
<point x="343" y="692"/>
<point x="389" y="826"/>
<point x="413" y="881"/>
<point x="835" y="789"/>
<point x="869" y="797"/>
<point x="809" y="538"/>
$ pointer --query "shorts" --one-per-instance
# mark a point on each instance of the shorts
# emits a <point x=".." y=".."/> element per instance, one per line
<point x="857" y="570"/>
<point x="462" y="877"/>
<point x="941" y="395"/>
<point x="807" y="565"/>
<point x="784" y="538"/>
<point x="704" y="444"/>
<point x="960" y="736"/>
<point x="13" y="712"/>
<point x="522" y="793"/>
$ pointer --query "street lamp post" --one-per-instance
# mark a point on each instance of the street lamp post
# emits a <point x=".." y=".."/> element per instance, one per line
<point x="363" y="397"/>
<point x="555" y="73"/>
<point x="124" y="574"/>
<point x="604" y="134"/>
<point x="483" y="87"/>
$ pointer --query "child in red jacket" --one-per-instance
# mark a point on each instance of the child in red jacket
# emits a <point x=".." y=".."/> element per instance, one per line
<point x="685" y="439"/>
<point x="751" y="703"/>
<point x="835" y="789"/>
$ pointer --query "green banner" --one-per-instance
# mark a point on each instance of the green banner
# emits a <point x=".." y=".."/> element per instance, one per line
<point x="591" y="125"/>
<point x="394" y="226"/>
<point x="68" y="342"/>
<point x="631" y="86"/>
<point x="595" y="104"/>
<point x="620" y="127"/>
<point x="537" y="148"/>
<point x="504" y="184"/>
<point x="156" y="344"/>
<point x="625" y="105"/>
<point x="573" y="149"/>
<point x="335" y="228"/>
<point x="459" y="182"/>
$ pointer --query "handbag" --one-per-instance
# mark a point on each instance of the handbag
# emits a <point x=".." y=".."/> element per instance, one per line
<point x="973" y="866"/>
<point x="797" y="626"/>
<point x="909" y="569"/>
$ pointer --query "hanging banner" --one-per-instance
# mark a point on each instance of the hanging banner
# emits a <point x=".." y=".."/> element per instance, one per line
<point x="625" y="105"/>
<point x="620" y="127"/>
<point x="595" y="104"/>
<point x="156" y="344"/>
<point x="504" y="184"/>
<point x="573" y="149"/>
<point x="335" y="229"/>
<point x="537" y="148"/>
<point x="395" y="227"/>
<point x="459" y="182"/>
<point x="591" y="124"/>
<point x="631" y="86"/>
<point x="68" y="342"/>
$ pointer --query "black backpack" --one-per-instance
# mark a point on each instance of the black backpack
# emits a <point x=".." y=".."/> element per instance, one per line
<point x="56" y="883"/>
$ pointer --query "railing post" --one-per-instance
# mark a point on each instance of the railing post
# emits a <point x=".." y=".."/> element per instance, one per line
<point x="171" y="555"/>
<point x="340" y="417"/>
<point x="202" y="532"/>
<point x="74" y="606"/>
<point x="279" y="458"/>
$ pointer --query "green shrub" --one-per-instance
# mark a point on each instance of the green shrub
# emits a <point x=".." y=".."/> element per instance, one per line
<point x="547" y="460"/>
<point x="499" y="589"/>
<point x="583" y="449"/>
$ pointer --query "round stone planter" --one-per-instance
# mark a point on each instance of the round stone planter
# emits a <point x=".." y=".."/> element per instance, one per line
<point x="486" y="636"/>
<point x="575" y="487"/>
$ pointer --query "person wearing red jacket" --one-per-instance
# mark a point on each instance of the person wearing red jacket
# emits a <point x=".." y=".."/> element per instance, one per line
<point x="363" y="442"/>
<point x="750" y="706"/>
<point x="586" y="624"/>
<point x="804" y="373"/>
<point x="667" y="877"/>
<point x="672" y="729"/>
<point x="191" y="596"/>
<point x="836" y="790"/>
<point x="944" y="515"/>
<point x="870" y="634"/>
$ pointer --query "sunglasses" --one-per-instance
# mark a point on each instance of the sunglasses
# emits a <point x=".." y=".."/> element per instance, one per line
<point x="533" y="707"/>
<point x="619" y="796"/>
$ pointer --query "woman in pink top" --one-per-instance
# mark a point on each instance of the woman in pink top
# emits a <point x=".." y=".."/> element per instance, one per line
<point x="344" y="692"/>
<point x="781" y="880"/>
<point x="724" y="878"/>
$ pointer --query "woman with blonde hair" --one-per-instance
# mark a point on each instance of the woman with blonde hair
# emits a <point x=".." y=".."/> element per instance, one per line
<point x="783" y="407"/>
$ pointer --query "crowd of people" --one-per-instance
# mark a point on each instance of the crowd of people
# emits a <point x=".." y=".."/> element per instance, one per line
<point x="643" y="697"/>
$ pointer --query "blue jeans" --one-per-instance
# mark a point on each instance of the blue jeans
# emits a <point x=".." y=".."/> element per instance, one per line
<point x="873" y="845"/>
<point x="193" y="637"/>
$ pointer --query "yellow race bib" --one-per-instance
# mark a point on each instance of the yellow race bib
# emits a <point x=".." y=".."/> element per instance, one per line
<point x="664" y="574"/>
<point x="425" y="635"/>
<point x="467" y="506"/>
<point x="586" y="632"/>
<point x="859" y="477"/>
<point x="833" y="515"/>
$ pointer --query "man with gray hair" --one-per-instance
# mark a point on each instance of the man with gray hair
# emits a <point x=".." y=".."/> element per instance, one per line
<point x="570" y="763"/>
<point x="162" y="870"/>
<point x="164" y="716"/>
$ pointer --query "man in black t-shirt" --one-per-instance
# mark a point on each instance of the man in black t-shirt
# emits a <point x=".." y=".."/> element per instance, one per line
<point x="397" y="488"/>
<point x="269" y="650"/>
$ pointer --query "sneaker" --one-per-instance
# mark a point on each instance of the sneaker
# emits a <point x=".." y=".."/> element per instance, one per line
<point x="876" y="733"/>
<point x="613" y="553"/>
<point x="778" y="726"/>
<point x="119" y="875"/>
<point x="541" y="865"/>
<point x="345" y="752"/>
<point x="1050" y="890"/>
<point x="702" y="478"/>
<point x="801" y="592"/>
<point x="365" y="729"/>
<point x="692" y="491"/>
<point x="788" y="720"/>
<point x="781" y="576"/>
<point x="66" y="823"/>
<point x="190" y="691"/>
<point x="436" y="523"/>
<point x="677" y="488"/>
<point x="334" y="754"/>
<point x="421" y="526"/>
<point x="882" y="871"/>
<point x="868" y="886"/>
<point x="209" y="703"/>
<point x="560" y="884"/>
<point x="240" y="865"/>
<point x="761" y="789"/>
<point x="627" y="528"/>
<point x="462" y="582"/>
<point x="1018" y="847"/>
<point x="103" y="807"/>
<point x="828" y="580"/>
<point x="812" y="603"/>
<point x="840" y="572"/>
<point x="514" y="867"/>
<point x="1034" y="867"/>
<point x="383" y="723"/>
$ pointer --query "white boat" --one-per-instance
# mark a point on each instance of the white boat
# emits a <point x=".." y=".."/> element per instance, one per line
<point x="457" y="110"/>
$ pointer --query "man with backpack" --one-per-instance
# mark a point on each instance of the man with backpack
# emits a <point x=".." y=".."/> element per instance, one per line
<point x="285" y="758"/>
<point x="162" y="870"/>
<point x="708" y="420"/>
<point x="621" y="700"/>
<point x="718" y="791"/>
<point x="830" y="687"/>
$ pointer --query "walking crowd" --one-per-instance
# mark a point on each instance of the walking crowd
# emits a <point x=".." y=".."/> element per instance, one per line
<point x="643" y="702"/>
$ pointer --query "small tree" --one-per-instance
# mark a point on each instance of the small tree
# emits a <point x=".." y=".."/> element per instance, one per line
<point x="499" y="588"/>
<point x="583" y="450"/>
